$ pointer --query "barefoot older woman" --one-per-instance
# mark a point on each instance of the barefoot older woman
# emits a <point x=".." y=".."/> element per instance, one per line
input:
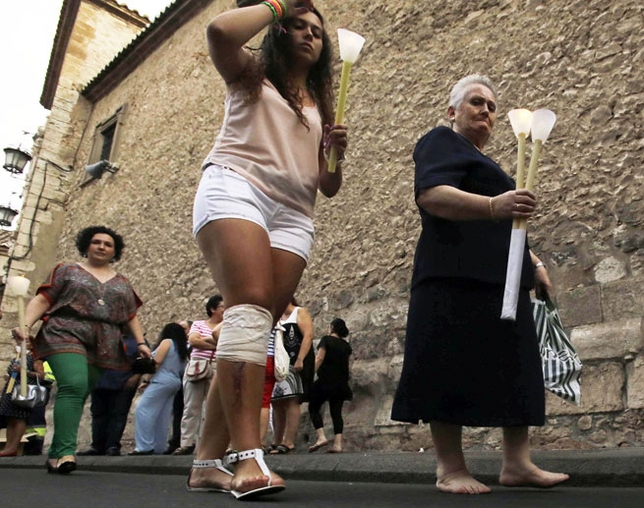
<point x="463" y="365"/>
<point x="86" y="308"/>
<point x="253" y="213"/>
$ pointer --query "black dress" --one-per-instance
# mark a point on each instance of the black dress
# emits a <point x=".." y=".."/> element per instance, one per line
<point x="463" y="364"/>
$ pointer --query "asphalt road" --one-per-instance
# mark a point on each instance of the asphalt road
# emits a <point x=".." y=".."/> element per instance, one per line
<point x="36" y="488"/>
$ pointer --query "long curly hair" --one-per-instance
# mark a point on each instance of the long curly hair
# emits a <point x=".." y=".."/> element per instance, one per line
<point x="273" y="63"/>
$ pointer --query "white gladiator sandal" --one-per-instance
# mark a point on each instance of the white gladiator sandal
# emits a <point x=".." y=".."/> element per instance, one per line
<point x="207" y="464"/>
<point x="258" y="455"/>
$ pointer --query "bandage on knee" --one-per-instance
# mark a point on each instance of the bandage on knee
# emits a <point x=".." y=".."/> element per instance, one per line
<point x="244" y="334"/>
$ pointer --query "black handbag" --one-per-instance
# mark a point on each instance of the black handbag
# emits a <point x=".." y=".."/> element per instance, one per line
<point x="144" y="365"/>
<point x="36" y="396"/>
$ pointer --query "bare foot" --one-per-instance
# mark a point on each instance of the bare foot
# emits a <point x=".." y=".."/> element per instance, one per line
<point x="209" y="478"/>
<point x="530" y="476"/>
<point x="461" y="482"/>
<point x="318" y="445"/>
<point x="249" y="476"/>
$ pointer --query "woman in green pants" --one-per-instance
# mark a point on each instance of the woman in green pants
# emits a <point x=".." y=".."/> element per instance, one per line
<point x="86" y="308"/>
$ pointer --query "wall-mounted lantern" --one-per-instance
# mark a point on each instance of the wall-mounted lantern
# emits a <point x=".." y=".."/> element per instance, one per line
<point x="15" y="160"/>
<point x="7" y="214"/>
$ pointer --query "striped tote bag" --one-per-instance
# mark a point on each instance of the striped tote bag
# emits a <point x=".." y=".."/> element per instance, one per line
<point x="561" y="364"/>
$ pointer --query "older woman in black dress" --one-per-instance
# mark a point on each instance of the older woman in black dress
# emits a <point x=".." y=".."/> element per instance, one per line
<point x="86" y="308"/>
<point x="463" y="365"/>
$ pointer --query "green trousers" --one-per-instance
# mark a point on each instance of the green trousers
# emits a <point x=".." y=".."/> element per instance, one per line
<point x="75" y="380"/>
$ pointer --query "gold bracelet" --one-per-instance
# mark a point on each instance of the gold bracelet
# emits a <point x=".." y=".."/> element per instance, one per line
<point x="491" y="206"/>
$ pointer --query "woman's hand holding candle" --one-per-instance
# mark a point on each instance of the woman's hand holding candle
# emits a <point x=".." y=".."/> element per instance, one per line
<point x="518" y="204"/>
<point x="335" y="138"/>
<point x="540" y="124"/>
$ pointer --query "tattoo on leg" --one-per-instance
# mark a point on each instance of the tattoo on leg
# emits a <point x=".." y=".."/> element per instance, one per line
<point x="238" y="378"/>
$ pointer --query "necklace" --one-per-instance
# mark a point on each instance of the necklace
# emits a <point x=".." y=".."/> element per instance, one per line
<point x="99" y="282"/>
<point x="101" y="288"/>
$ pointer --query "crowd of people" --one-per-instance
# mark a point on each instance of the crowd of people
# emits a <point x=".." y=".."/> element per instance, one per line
<point x="77" y="325"/>
<point x="253" y="222"/>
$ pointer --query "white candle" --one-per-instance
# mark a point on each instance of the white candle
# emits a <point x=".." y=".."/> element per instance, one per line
<point x="521" y="120"/>
<point x="539" y="124"/>
<point x="350" y="46"/>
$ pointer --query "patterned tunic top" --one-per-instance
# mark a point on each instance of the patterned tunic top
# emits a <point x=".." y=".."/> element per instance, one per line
<point x="86" y="316"/>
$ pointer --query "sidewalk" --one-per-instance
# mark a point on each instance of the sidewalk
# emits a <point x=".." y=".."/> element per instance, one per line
<point x="606" y="468"/>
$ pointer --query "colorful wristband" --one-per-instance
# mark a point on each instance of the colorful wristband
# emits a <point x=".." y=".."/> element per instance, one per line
<point x="270" y="6"/>
<point x="283" y="6"/>
<point x="277" y="7"/>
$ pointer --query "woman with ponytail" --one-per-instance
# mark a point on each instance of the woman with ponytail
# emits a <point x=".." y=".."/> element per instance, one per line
<point x="332" y="384"/>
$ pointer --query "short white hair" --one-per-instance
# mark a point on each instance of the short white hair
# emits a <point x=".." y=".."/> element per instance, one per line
<point x="458" y="91"/>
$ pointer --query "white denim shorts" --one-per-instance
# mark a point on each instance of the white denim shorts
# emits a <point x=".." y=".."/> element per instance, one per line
<point x="224" y="194"/>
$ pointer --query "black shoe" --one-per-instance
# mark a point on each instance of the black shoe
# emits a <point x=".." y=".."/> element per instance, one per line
<point x="170" y="449"/>
<point x="90" y="451"/>
<point x="184" y="450"/>
<point x="113" y="451"/>
<point x="137" y="452"/>
<point x="66" y="465"/>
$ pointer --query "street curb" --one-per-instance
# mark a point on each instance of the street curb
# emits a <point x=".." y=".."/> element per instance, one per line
<point x="606" y="468"/>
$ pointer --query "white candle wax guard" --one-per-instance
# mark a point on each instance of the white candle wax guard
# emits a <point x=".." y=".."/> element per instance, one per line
<point x="350" y="45"/>
<point x="18" y="285"/>
<point x="520" y="120"/>
<point x="543" y="120"/>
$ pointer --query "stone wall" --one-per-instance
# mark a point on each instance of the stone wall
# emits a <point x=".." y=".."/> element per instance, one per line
<point x="580" y="59"/>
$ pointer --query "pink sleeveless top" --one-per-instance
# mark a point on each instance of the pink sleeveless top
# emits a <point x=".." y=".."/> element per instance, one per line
<point x="266" y="143"/>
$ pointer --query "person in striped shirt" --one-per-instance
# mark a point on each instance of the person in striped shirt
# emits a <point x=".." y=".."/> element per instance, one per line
<point x="202" y="340"/>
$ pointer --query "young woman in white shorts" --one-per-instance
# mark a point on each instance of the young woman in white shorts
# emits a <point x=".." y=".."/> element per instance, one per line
<point x="253" y="214"/>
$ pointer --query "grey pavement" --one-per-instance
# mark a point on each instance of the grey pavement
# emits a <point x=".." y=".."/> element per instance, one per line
<point x="622" y="467"/>
<point x="34" y="488"/>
